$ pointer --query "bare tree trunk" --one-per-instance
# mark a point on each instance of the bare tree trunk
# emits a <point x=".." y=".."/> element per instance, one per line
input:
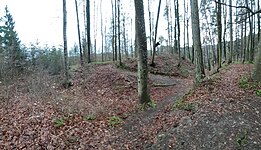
<point x="132" y="51"/>
<point x="88" y="30"/>
<point x="115" y="31"/>
<point x="224" y="34"/>
<point x="95" y="24"/>
<point x="101" y="30"/>
<point x="119" y="35"/>
<point x="219" y="26"/>
<point x="184" y="40"/>
<point x="178" y="26"/>
<point x="113" y="35"/>
<point x="200" y="74"/>
<point x="168" y="28"/>
<point x="140" y="36"/>
<point x="189" y="55"/>
<point x="258" y="20"/>
<point x="150" y="25"/>
<point x="242" y="42"/>
<point x="231" y="33"/>
<point x="252" y="38"/>
<point x="125" y="38"/>
<point x="245" y="43"/>
<point x="257" y="67"/>
<point x="155" y="37"/>
<point x="84" y="42"/>
<point x="65" y="45"/>
<point x="208" y="58"/>
<point x="79" y="34"/>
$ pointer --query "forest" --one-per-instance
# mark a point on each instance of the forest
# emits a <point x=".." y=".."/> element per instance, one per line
<point x="141" y="74"/>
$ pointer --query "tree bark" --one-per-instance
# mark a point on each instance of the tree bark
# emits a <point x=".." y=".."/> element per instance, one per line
<point x="88" y="31"/>
<point x="113" y="34"/>
<point x="102" y="48"/>
<point x="200" y="74"/>
<point x="150" y="25"/>
<point x="178" y="32"/>
<point x="258" y="20"/>
<point x="140" y="36"/>
<point x="79" y="34"/>
<point x="231" y="33"/>
<point x="219" y="26"/>
<point x="66" y="83"/>
<point x="224" y="34"/>
<point x="119" y="35"/>
<point x="155" y="37"/>
<point x="115" y="31"/>
<point x="257" y="67"/>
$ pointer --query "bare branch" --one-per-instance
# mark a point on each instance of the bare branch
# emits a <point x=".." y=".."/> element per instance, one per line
<point x="243" y="7"/>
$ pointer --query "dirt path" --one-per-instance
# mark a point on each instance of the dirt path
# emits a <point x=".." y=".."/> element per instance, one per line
<point x="228" y="117"/>
<point x="133" y="134"/>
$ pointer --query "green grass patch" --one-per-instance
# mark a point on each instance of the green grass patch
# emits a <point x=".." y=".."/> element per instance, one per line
<point x="59" y="122"/>
<point x="89" y="117"/>
<point x="152" y="104"/>
<point x="248" y="83"/>
<point x="145" y="106"/>
<point x="114" y="121"/>
<point x="243" y="82"/>
<point x="182" y="105"/>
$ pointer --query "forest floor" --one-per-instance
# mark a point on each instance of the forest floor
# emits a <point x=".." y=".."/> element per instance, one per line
<point x="101" y="110"/>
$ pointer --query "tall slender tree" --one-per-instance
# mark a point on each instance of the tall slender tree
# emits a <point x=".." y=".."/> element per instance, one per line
<point x="79" y="34"/>
<point x="65" y="44"/>
<point x="219" y="27"/>
<point x="257" y="67"/>
<point x="200" y="74"/>
<point x="155" y="36"/>
<point x="102" y="48"/>
<point x="231" y="33"/>
<point x="150" y="25"/>
<point x="88" y="31"/>
<point x="176" y="4"/>
<point x="225" y="31"/>
<point x="141" y="40"/>
<point x="119" y="35"/>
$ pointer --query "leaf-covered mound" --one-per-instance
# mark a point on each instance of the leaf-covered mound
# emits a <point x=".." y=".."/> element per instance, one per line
<point x="165" y="65"/>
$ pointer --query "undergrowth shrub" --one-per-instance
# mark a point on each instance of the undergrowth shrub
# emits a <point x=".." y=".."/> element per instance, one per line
<point x="181" y="104"/>
<point x="89" y="117"/>
<point x="258" y="93"/>
<point x="59" y="122"/>
<point x="114" y="121"/>
<point x="42" y="87"/>
<point x="243" y="82"/>
<point x="184" y="72"/>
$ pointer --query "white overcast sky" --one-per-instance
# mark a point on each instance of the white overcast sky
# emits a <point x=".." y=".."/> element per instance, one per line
<point x="42" y="19"/>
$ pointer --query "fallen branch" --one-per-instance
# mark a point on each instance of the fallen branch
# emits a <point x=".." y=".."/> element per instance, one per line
<point x="162" y="85"/>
